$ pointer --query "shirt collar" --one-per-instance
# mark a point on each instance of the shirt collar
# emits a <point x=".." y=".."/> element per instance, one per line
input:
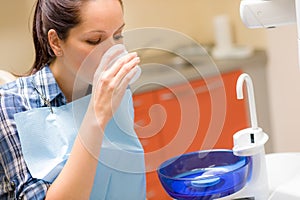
<point x="45" y="84"/>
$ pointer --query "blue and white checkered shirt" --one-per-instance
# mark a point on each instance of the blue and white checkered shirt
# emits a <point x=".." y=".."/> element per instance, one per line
<point x="23" y="94"/>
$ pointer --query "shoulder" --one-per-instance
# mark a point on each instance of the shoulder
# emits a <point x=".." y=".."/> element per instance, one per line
<point x="17" y="96"/>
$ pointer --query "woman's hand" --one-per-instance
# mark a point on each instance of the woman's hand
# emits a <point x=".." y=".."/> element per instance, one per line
<point x="109" y="85"/>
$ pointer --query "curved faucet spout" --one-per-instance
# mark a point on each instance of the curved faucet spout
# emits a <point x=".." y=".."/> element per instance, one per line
<point x="251" y="100"/>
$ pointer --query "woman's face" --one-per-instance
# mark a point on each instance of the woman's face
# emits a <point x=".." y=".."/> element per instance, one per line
<point x="101" y="27"/>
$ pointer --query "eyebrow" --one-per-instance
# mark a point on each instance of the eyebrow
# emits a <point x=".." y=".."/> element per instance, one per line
<point x="100" y="31"/>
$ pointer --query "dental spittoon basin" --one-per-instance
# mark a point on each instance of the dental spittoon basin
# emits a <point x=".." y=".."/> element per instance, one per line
<point x="205" y="174"/>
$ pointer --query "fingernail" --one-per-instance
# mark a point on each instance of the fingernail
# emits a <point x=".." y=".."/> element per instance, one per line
<point x="134" y="53"/>
<point x="137" y="59"/>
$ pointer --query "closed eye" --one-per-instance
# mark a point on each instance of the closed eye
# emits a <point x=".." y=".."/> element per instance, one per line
<point x="94" y="42"/>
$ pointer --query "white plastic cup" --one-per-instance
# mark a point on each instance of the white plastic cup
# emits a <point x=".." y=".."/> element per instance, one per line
<point x="119" y="51"/>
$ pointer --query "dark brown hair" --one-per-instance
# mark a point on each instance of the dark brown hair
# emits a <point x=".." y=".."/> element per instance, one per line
<point x="60" y="15"/>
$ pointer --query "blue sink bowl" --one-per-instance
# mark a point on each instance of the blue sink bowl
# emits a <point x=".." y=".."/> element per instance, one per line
<point x="205" y="174"/>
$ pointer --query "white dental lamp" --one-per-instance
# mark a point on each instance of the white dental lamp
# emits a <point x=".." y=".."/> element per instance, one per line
<point x="270" y="14"/>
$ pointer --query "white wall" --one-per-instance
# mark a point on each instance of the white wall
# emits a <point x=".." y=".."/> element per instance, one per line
<point x="16" y="48"/>
<point x="284" y="88"/>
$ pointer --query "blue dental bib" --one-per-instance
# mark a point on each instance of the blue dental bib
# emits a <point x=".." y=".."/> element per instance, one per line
<point x="47" y="139"/>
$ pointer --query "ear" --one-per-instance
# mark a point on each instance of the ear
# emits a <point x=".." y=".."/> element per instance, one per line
<point x="55" y="42"/>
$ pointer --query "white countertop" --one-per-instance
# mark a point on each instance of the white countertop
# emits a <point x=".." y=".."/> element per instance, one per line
<point x="284" y="175"/>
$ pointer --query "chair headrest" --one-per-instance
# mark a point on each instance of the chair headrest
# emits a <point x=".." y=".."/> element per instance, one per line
<point x="6" y="77"/>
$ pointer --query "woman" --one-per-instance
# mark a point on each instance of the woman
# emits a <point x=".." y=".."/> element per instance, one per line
<point x="65" y="33"/>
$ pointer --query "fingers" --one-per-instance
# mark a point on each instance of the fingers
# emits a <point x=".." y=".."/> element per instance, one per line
<point x="121" y="68"/>
<point x="123" y="62"/>
<point x="125" y="73"/>
<point x="109" y="58"/>
<point x="126" y="80"/>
